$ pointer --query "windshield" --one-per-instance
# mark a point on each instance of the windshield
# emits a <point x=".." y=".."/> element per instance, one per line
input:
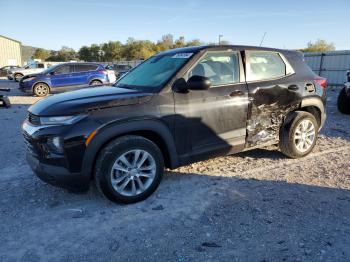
<point x="154" y="72"/>
<point x="50" y="69"/>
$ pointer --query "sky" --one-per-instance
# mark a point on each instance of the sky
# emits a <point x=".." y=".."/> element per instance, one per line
<point x="74" y="23"/>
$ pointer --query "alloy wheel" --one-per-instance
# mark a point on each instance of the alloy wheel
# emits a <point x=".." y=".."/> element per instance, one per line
<point x="133" y="172"/>
<point x="304" y="135"/>
<point x="41" y="90"/>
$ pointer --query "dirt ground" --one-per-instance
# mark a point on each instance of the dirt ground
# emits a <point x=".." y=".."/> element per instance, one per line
<point x="252" y="206"/>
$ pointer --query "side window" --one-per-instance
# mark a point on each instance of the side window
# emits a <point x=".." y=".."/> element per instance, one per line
<point x="220" y="67"/>
<point x="263" y="65"/>
<point x="91" y="67"/>
<point x="62" y="70"/>
<point x="41" y="66"/>
<point x="79" y="68"/>
<point x="85" y="68"/>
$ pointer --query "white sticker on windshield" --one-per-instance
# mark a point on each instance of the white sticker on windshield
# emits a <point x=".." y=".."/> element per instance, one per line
<point x="182" y="55"/>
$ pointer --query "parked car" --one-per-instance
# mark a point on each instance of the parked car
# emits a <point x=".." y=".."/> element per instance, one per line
<point x="118" y="69"/>
<point x="177" y="107"/>
<point x="344" y="96"/>
<point x="65" y="77"/>
<point x="17" y="73"/>
<point x="4" y="70"/>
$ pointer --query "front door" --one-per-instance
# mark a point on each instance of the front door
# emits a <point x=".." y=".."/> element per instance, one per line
<point x="214" y="120"/>
<point x="62" y="80"/>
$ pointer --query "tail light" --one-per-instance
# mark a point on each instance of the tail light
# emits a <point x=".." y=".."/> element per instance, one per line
<point x="103" y="71"/>
<point x="321" y="81"/>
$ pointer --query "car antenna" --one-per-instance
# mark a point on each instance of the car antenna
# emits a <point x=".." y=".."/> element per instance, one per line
<point x="263" y="38"/>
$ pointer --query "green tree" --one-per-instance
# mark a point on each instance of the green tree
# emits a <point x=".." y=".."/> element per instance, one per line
<point x="179" y="42"/>
<point x="65" y="54"/>
<point x="84" y="53"/>
<point x="41" y="54"/>
<point x="96" y="53"/>
<point x="112" y="51"/>
<point x="319" y="46"/>
<point x="194" y="42"/>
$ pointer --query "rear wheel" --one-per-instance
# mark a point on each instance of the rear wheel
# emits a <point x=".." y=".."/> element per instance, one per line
<point x="41" y="89"/>
<point x="298" y="134"/>
<point x="129" y="169"/>
<point x="18" y="77"/>
<point x="95" y="83"/>
<point x="343" y="102"/>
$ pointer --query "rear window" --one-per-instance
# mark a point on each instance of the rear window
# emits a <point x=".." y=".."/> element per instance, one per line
<point x="264" y="65"/>
<point x="85" y="68"/>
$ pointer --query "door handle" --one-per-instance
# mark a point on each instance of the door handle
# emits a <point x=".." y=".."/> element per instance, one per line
<point x="293" y="87"/>
<point x="236" y="93"/>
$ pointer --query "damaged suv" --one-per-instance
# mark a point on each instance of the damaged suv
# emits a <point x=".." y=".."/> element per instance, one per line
<point x="177" y="107"/>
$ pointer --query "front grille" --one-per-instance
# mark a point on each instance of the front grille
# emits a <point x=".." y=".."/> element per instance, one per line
<point x="30" y="147"/>
<point x="33" y="119"/>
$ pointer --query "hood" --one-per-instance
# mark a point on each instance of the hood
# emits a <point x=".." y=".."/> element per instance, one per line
<point x="29" y="76"/>
<point x="84" y="100"/>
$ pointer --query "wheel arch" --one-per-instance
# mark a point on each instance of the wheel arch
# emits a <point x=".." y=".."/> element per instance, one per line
<point x="95" y="79"/>
<point x="153" y="130"/>
<point x="316" y="107"/>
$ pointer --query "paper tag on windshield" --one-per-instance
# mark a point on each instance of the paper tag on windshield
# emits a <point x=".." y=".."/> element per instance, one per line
<point x="182" y="55"/>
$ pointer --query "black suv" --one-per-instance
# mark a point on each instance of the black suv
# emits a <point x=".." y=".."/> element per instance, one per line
<point x="177" y="107"/>
<point x="344" y="96"/>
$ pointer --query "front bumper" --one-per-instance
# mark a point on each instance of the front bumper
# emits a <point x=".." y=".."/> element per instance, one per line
<point x="52" y="168"/>
<point x="58" y="176"/>
<point x="25" y="87"/>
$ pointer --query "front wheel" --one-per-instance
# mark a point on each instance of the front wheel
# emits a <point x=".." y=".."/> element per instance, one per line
<point x="18" y="77"/>
<point x="41" y="89"/>
<point x="129" y="169"/>
<point x="298" y="134"/>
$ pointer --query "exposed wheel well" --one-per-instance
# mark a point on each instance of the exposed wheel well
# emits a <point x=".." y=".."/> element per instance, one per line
<point x="153" y="136"/>
<point x="314" y="111"/>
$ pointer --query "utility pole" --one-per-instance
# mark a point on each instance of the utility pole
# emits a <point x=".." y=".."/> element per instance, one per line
<point x="220" y="39"/>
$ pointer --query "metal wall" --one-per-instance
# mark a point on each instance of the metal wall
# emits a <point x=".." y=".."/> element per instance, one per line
<point x="331" y="65"/>
<point x="10" y="52"/>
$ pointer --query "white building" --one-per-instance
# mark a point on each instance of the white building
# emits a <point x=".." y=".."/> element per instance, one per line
<point x="10" y="51"/>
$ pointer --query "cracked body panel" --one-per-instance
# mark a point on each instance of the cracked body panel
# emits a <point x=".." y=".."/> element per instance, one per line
<point x="268" y="109"/>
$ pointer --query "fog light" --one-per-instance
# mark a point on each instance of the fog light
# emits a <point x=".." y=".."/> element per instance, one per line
<point x="55" y="143"/>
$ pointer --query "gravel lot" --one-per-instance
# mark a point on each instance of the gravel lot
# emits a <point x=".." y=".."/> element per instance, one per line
<point x="253" y="206"/>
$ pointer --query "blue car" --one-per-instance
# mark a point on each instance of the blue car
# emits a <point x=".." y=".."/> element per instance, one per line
<point x="66" y="77"/>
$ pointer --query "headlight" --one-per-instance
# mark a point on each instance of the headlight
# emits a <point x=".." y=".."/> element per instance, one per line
<point x="55" y="144"/>
<point x="60" y="120"/>
<point x="28" y="79"/>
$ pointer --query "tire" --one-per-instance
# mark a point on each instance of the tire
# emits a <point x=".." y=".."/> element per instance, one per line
<point x="292" y="129"/>
<point x="41" y="89"/>
<point x="95" y="83"/>
<point x="110" y="169"/>
<point x="343" y="102"/>
<point x="17" y="77"/>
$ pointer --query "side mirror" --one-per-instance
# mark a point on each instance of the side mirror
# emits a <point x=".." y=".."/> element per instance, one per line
<point x="180" y="86"/>
<point x="52" y="73"/>
<point x="198" y="83"/>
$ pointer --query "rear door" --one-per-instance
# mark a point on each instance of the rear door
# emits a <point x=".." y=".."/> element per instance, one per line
<point x="273" y="93"/>
<point x="211" y="121"/>
<point x="81" y="74"/>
